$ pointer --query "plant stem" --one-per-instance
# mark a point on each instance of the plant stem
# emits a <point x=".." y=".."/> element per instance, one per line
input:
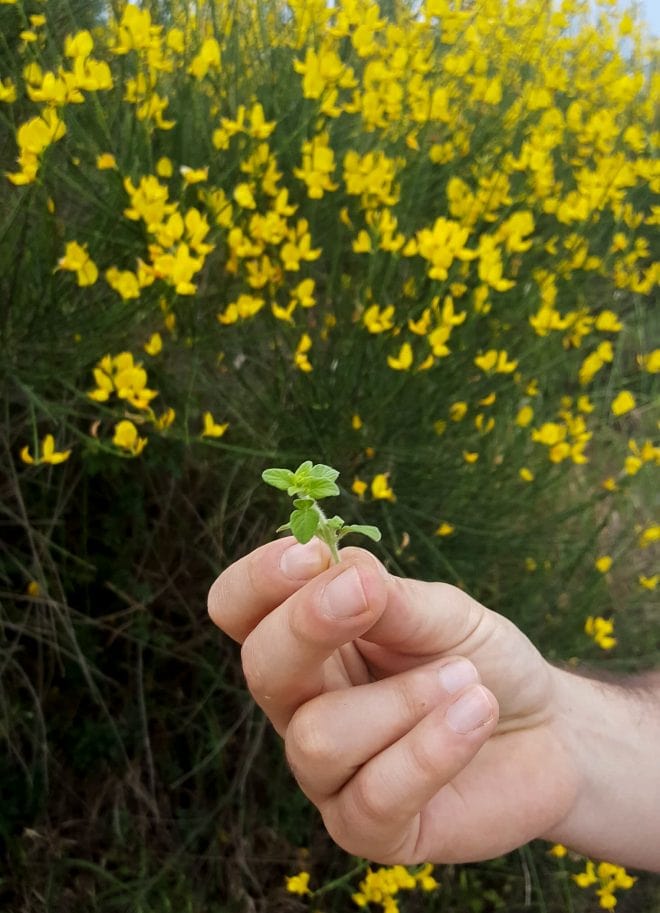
<point x="328" y="535"/>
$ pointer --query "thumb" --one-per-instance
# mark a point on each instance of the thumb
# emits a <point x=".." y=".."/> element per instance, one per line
<point x="423" y="619"/>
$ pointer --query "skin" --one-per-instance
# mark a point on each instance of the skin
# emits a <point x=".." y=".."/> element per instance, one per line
<point x="426" y="727"/>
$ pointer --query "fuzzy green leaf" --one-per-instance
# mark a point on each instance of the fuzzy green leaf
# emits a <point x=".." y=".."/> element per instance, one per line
<point x="321" y="488"/>
<point x="302" y="473"/>
<point x="327" y="473"/>
<point x="304" y="524"/>
<point x="335" y="522"/>
<point x="278" y="478"/>
<point x="371" y="531"/>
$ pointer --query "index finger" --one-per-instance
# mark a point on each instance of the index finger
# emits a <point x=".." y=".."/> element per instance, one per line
<point x="254" y="585"/>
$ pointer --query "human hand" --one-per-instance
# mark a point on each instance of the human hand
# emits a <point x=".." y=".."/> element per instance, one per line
<point x="419" y="722"/>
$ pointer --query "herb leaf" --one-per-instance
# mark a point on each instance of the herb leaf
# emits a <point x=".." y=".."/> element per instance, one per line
<point x="371" y="531"/>
<point x="304" y="524"/>
<point x="278" y="478"/>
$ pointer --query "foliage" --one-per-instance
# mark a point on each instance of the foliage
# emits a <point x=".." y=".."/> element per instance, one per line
<point x="310" y="483"/>
<point x="414" y="241"/>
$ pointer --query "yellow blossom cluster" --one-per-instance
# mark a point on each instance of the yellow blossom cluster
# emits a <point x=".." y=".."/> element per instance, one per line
<point x="566" y="439"/>
<point x="33" y="138"/>
<point x="601" y="630"/>
<point x="123" y="376"/>
<point x="382" y="885"/>
<point x="608" y="877"/>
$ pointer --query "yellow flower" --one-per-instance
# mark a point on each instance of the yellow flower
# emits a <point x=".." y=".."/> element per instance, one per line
<point x="380" y="488"/>
<point x="586" y="878"/>
<point x="359" y="487"/>
<point x="650" y="362"/>
<point x="606" y="899"/>
<point x="298" y="884"/>
<point x="470" y="457"/>
<point x="244" y="196"/>
<point x="584" y="404"/>
<point x="495" y="361"/>
<point x="608" y="322"/>
<point x="550" y="433"/>
<point x="362" y="243"/>
<point x="208" y="58"/>
<point x="377" y="321"/>
<point x="77" y="260"/>
<point x="648" y="536"/>
<point x="601" y="630"/>
<point x="403" y="360"/>
<point x="649" y="583"/>
<point x="603" y="564"/>
<point x="106" y="161"/>
<point x="526" y="474"/>
<point x="623" y="403"/>
<point x="483" y="424"/>
<point x="165" y="420"/>
<point x="558" y="851"/>
<point x="425" y="880"/>
<point x="457" y="411"/>
<point x="48" y="453"/>
<point x="7" y="91"/>
<point x="356" y="422"/>
<point x="525" y="416"/>
<point x="126" y="436"/>
<point x="164" y="168"/>
<point x="211" y="428"/>
<point x="194" y="175"/>
<point x="124" y="282"/>
<point x="445" y="529"/>
<point x="300" y="358"/>
<point x="318" y="163"/>
<point x="155" y="345"/>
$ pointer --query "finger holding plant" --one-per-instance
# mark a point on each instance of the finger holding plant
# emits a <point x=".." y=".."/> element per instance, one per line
<point x="309" y="484"/>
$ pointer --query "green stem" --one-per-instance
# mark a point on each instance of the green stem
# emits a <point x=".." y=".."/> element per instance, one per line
<point x="328" y="535"/>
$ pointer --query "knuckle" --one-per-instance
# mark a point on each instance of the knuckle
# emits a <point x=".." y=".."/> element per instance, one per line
<point x="252" y="668"/>
<point x="368" y="802"/>
<point x="412" y="696"/>
<point x="298" y="621"/>
<point x="308" y="740"/>
<point x="420" y="760"/>
<point x="217" y="600"/>
<point x="361" y="824"/>
<point x="345" y="831"/>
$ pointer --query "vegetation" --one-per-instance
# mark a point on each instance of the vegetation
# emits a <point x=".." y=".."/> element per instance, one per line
<point x="413" y="241"/>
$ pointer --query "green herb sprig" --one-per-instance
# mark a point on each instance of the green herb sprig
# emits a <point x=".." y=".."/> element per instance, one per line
<point x="307" y="485"/>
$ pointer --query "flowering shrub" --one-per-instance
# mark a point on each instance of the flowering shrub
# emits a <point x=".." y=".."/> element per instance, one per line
<point x="412" y="240"/>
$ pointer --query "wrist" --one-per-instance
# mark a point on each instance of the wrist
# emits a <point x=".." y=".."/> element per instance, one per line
<point x="611" y="733"/>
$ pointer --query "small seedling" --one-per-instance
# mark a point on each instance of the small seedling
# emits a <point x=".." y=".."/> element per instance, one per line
<point x="308" y="485"/>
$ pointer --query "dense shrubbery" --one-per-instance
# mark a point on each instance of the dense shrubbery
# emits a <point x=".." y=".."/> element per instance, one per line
<point x="412" y="241"/>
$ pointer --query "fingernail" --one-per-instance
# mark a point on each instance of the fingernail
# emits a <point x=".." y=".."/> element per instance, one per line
<point x="302" y="562"/>
<point x="469" y="711"/>
<point x="344" y="595"/>
<point x="457" y="674"/>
